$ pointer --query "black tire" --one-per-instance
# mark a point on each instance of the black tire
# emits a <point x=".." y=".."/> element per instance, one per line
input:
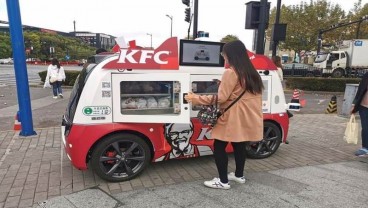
<point x="196" y="58"/>
<point x="268" y="145"/>
<point x="337" y="73"/>
<point x="120" y="157"/>
<point x="309" y="74"/>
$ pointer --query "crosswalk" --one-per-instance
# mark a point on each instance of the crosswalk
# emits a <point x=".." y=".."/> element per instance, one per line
<point x="9" y="80"/>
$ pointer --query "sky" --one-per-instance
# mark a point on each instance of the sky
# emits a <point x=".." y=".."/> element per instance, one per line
<point x="135" y="19"/>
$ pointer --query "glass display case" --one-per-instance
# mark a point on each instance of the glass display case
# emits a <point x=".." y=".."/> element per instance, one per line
<point x="150" y="97"/>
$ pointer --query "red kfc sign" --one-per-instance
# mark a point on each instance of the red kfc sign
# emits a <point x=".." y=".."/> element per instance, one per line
<point x="163" y="57"/>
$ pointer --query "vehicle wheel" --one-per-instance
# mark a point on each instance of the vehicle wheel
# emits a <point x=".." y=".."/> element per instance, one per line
<point x="268" y="145"/>
<point x="337" y="73"/>
<point x="309" y="74"/>
<point x="196" y="58"/>
<point x="207" y="58"/>
<point x="120" y="157"/>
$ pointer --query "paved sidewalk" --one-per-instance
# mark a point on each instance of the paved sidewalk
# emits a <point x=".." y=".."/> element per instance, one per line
<point x="34" y="169"/>
<point x="329" y="185"/>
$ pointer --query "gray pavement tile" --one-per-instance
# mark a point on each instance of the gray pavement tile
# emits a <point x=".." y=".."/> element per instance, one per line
<point x="319" y="186"/>
<point x="87" y="198"/>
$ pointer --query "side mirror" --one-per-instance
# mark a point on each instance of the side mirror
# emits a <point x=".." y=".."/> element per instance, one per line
<point x="293" y="107"/>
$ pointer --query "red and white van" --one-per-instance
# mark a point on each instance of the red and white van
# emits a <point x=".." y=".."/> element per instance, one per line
<point x="128" y="110"/>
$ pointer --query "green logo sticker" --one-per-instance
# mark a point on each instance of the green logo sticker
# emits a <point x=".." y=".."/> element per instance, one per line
<point x="87" y="111"/>
<point x="96" y="110"/>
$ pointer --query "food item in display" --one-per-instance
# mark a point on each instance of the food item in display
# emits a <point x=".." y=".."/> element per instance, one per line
<point x="129" y="103"/>
<point x="141" y="103"/>
<point x="151" y="102"/>
<point x="164" y="102"/>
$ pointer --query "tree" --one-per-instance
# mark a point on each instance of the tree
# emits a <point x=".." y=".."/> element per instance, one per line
<point x="5" y="47"/>
<point x="229" y="38"/>
<point x="304" y="22"/>
<point x="42" y="42"/>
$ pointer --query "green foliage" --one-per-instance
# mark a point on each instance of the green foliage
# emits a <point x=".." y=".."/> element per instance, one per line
<point x="5" y="47"/>
<point x="304" y="21"/>
<point x="38" y="44"/>
<point x="320" y="83"/>
<point x="71" y="76"/>
<point x="229" y="38"/>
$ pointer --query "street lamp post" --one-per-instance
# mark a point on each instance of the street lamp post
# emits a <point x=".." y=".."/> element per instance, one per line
<point x="171" y="20"/>
<point x="150" y="34"/>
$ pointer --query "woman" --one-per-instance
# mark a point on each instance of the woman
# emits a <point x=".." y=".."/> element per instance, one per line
<point x="55" y="76"/>
<point x="243" y="122"/>
<point x="277" y="61"/>
<point x="360" y="103"/>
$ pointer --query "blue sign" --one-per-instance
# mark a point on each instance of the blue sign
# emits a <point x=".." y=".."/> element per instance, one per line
<point x="67" y="57"/>
<point x="358" y="43"/>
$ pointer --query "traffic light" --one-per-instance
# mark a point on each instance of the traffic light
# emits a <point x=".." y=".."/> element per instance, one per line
<point x="187" y="14"/>
<point x="186" y="2"/>
<point x="253" y="12"/>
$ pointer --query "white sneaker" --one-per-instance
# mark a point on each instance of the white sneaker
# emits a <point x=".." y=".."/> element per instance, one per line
<point x="55" y="97"/>
<point x="61" y="95"/>
<point x="231" y="176"/>
<point x="216" y="183"/>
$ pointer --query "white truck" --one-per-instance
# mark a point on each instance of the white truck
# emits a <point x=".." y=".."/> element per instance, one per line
<point x="350" y="59"/>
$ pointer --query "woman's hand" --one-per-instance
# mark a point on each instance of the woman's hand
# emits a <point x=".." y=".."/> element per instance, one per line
<point x="352" y="109"/>
<point x="189" y="97"/>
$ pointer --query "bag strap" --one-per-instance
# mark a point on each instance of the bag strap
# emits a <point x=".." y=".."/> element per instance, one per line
<point x="236" y="100"/>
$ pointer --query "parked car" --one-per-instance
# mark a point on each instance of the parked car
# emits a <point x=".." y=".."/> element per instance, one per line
<point x="6" y="61"/>
<point x="82" y="62"/>
<point x="300" y="70"/>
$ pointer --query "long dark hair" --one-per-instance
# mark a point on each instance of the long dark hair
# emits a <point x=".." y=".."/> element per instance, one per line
<point x="238" y="59"/>
<point x="277" y="61"/>
<point x="55" y="62"/>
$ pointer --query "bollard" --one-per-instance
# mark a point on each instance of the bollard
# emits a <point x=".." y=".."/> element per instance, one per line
<point x="332" y="106"/>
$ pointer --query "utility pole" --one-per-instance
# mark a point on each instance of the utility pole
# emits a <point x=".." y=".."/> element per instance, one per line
<point x="190" y="24"/>
<point x="75" y="34"/>
<point x="195" y="21"/>
<point x="171" y="19"/>
<point x="277" y="21"/>
<point x="261" y="27"/>
<point x="150" y="34"/>
<point x="20" y="68"/>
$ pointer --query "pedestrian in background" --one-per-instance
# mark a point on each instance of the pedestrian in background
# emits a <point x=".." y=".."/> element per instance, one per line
<point x="243" y="122"/>
<point x="277" y="61"/>
<point x="55" y="76"/>
<point x="360" y="104"/>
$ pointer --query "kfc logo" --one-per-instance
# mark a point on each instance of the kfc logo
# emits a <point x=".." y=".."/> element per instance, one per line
<point x="165" y="56"/>
<point x="128" y="56"/>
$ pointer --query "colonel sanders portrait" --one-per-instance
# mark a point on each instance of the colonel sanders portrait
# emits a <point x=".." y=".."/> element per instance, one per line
<point x="179" y="136"/>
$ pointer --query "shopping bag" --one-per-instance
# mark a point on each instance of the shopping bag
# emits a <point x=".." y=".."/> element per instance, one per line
<point x="352" y="131"/>
<point x="53" y="79"/>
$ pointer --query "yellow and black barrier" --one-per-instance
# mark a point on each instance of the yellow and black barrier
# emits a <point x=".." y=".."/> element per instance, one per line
<point x="332" y="105"/>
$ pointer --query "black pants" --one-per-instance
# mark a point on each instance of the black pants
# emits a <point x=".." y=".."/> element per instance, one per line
<point x="221" y="158"/>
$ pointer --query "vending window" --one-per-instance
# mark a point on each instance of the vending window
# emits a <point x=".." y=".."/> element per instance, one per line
<point x="150" y="97"/>
<point x="204" y="88"/>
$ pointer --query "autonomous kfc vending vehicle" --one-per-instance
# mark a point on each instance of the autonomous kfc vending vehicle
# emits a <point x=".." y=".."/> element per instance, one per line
<point x="129" y="109"/>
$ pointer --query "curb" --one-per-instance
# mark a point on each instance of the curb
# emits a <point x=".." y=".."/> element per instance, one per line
<point x="290" y="91"/>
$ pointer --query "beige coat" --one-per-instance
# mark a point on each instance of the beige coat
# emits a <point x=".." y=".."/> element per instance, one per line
<point x="244" y="120"/>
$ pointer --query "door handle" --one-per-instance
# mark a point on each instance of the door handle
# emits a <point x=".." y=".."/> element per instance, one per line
<point x="184" y="101"/>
